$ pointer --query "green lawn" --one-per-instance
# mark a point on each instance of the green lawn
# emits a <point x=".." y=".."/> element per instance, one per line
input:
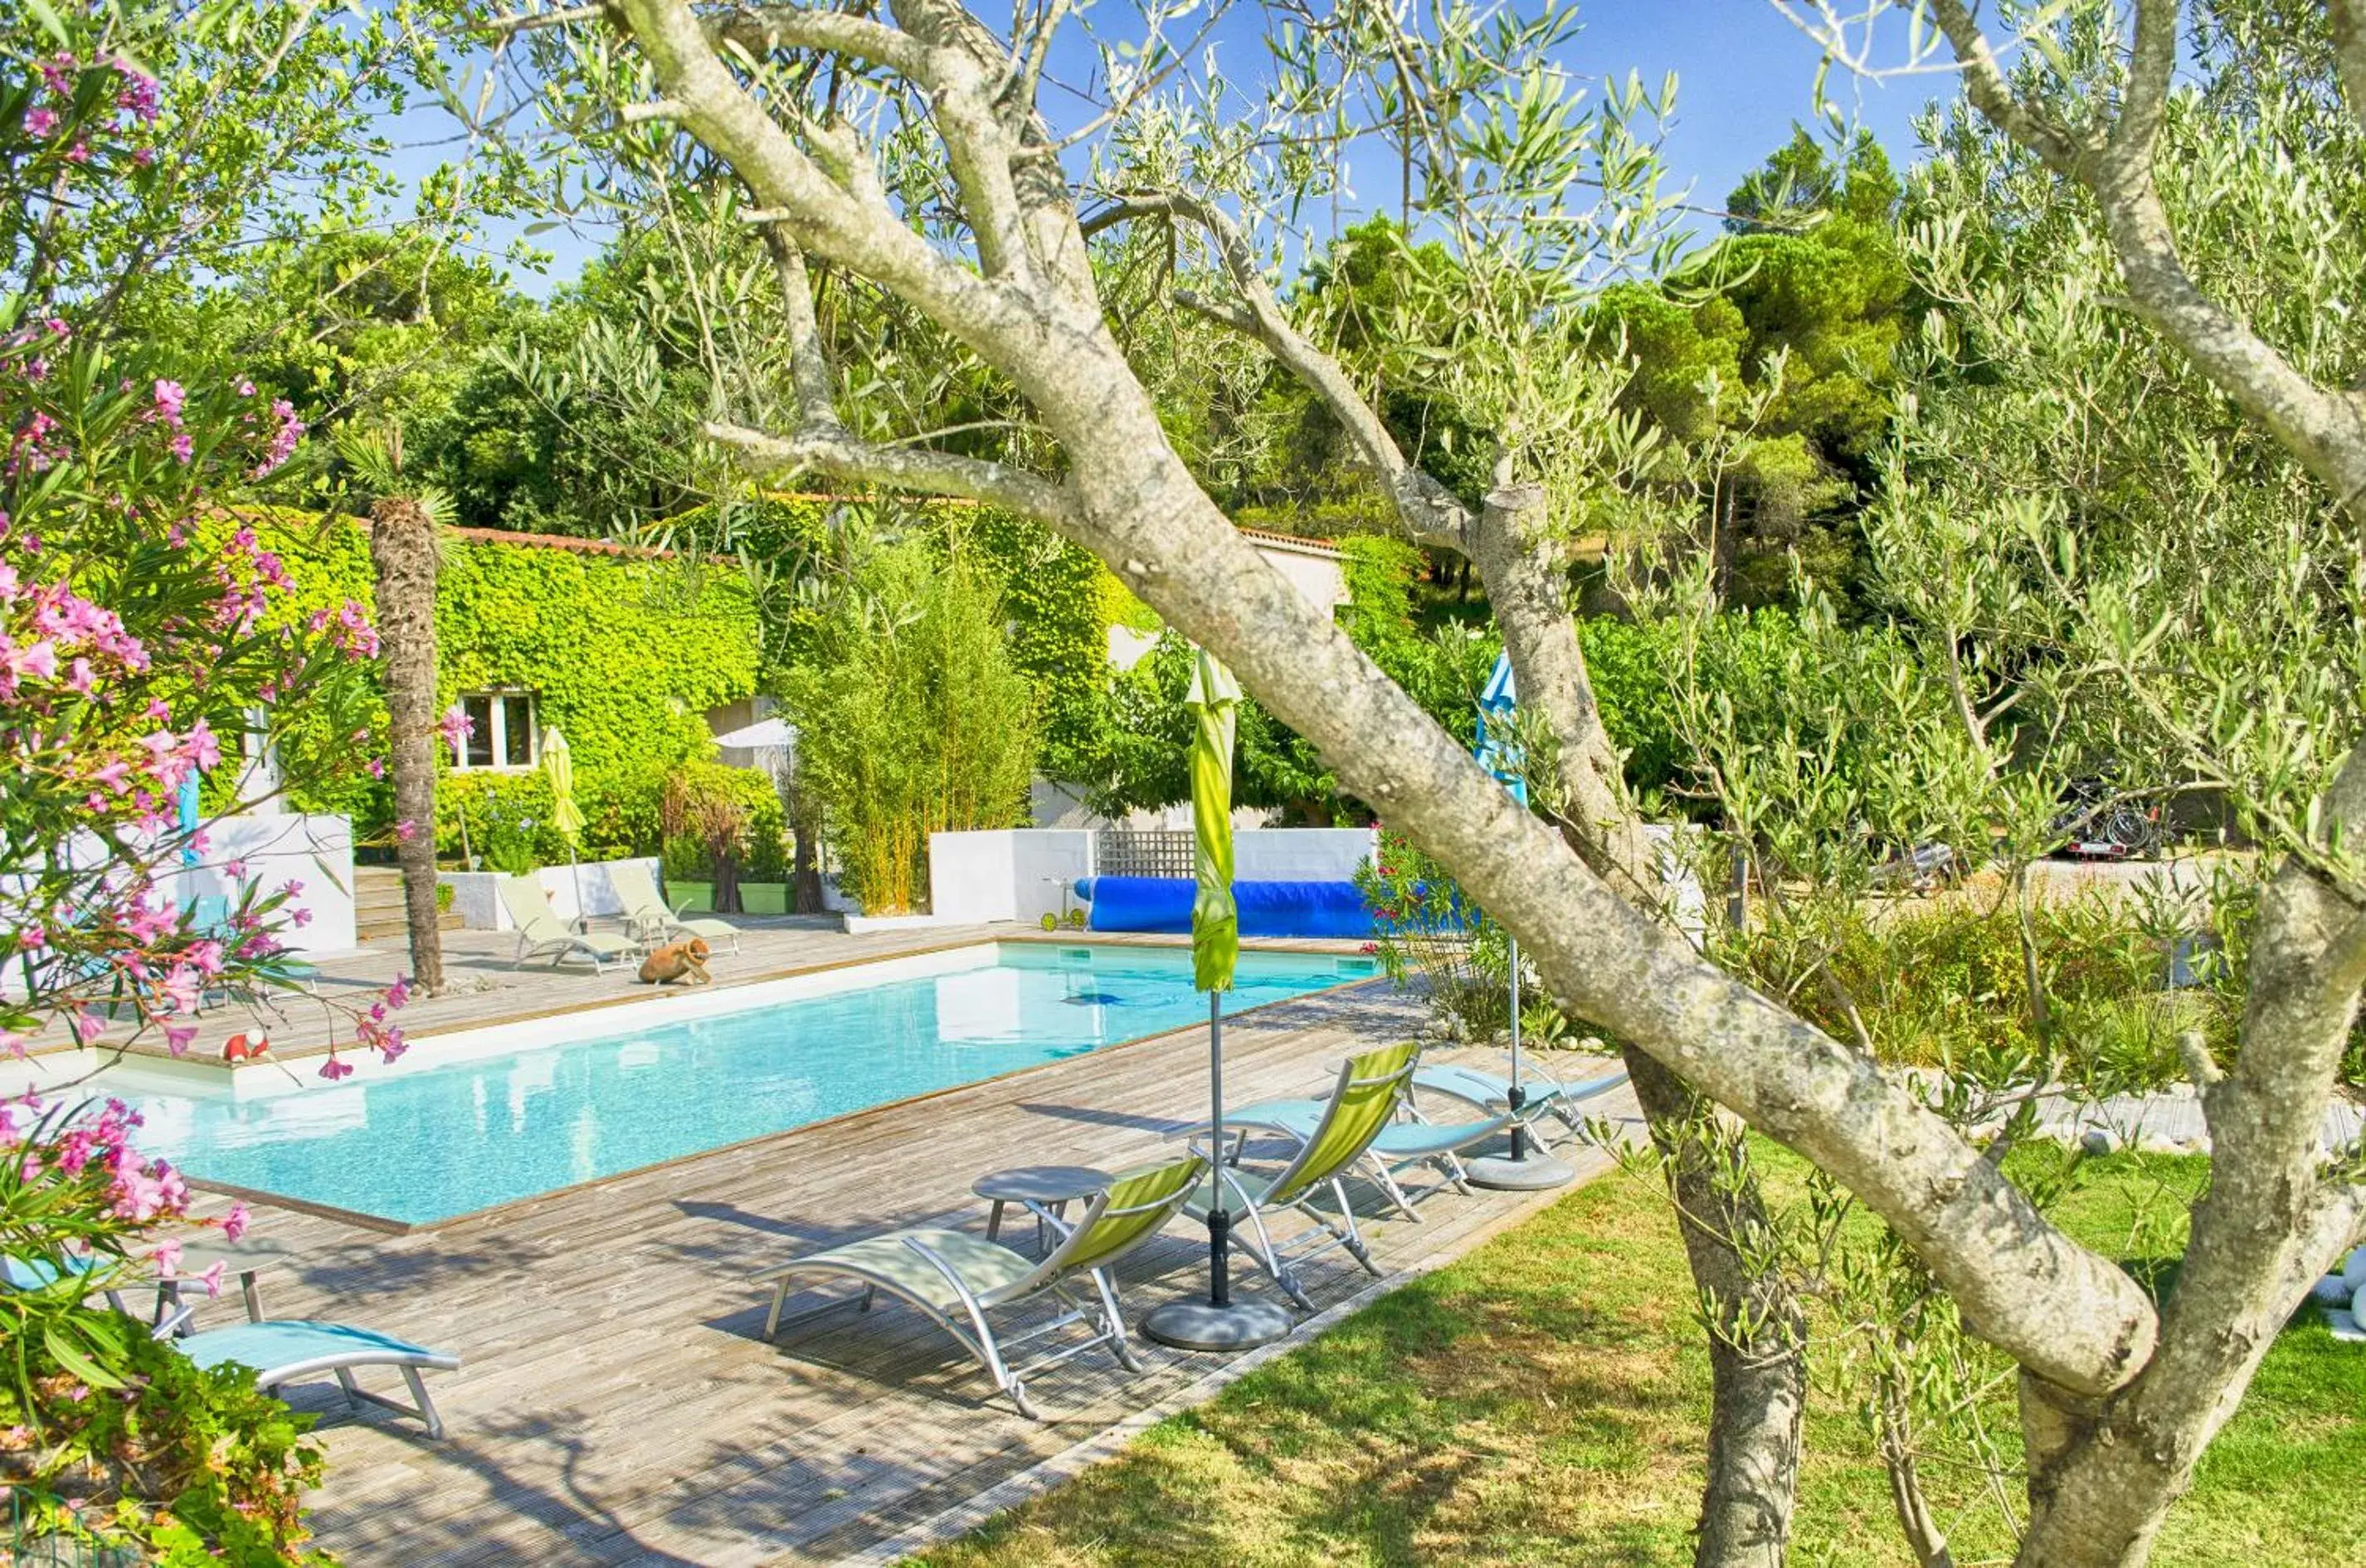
<point x="1542" y="1401"/>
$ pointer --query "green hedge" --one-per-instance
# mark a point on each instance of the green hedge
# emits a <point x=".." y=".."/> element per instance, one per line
<point x="624" y="654"/>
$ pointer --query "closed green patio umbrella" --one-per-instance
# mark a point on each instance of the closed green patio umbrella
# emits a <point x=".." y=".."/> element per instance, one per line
<point x="1218" y="1323"/>
<point x="558" y="764"/>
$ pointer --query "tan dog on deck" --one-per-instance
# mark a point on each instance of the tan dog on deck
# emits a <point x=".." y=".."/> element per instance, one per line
<point x="683" y="961"/>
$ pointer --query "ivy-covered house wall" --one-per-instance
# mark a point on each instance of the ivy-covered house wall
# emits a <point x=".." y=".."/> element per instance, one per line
<point x="624" y="649"/>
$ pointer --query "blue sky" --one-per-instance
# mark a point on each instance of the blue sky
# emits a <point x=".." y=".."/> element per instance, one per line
<point x="1743" y="75"/>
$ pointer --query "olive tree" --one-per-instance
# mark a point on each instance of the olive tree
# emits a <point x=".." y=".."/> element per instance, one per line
<point x="799" y="102"/>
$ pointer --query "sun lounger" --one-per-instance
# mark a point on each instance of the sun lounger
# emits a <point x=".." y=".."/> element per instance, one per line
<point x="542" y="933"/>
<point x="959" y="1281"/>
<point x="1359" y="1108"/>
<point x="284" y="1350"/>
<point x="1394" y="1149"/>
<point x="32" y="1274"/>
<point x="1542" y="1096"/>
<point x="649" y="917"/>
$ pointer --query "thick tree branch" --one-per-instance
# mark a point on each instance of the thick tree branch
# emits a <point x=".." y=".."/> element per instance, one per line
<point x="2152" y="65"/>
<point x="2324" y="428"/>
<point x="863" y="236"/>
<point x="761" y="29"/>
<point x="2349" y="19"/>
<point x="832" y="451"/>
<point x="809" y="367"/>
<point x="2266" y="1228"/>
<point x="1427" y="509"/>
<point x="1985" y="84"/>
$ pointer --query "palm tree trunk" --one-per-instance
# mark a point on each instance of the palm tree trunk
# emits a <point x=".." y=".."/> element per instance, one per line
<point x="403" y="555"/>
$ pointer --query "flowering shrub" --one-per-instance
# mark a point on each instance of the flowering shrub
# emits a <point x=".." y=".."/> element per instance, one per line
<point x="107" y="1434"/>
<point x="1428" y="930"/>
<point x="133" y="656"/>
<point x="144" y="642"/>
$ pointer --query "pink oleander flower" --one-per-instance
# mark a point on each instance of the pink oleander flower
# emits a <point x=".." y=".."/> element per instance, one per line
<point x="168" y="1258"/>
<point x="455" y="727"/>
<point x="333" y="1069"/>
<point x="377" y="766"/>
<point x="170" y="398"/>
<point x="41" y="119"/>
<point x="140" y="93"/>
<point x="399" y="993"/>
<point x="202" y="748"/>
<point x="212" y="1278"/>
<point x="235" y="870"/>
<point x="78" y="154"/>
<point x="178" y="1038"/>
<point x="11" y="1045"/>
<point x="143" y="1193"/>
<point x="183" y="448"/>
<point x="406" y="829"/>
<point x="234" y="1223"/>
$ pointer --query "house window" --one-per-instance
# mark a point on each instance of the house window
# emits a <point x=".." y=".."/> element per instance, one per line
<point x="504" y="734"/>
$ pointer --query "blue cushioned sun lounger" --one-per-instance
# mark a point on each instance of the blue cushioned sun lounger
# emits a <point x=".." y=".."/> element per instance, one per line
<point x="286" y="1350"/>
<point x="1541" y="1095"/>
<point x="1393" y="1148"/>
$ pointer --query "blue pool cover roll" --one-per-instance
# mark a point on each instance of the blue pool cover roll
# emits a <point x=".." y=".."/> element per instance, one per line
<point x="1268" y="909"/>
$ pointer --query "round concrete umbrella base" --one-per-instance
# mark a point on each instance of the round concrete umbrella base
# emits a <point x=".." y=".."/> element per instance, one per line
<point x="1500" y="1173"/>
<point x="1199" y="1325"/>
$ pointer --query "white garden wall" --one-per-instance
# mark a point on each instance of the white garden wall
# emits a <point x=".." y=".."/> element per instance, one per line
<point x="317" y="852"/>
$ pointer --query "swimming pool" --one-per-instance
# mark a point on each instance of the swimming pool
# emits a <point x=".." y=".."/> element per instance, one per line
<point x="512" y="1118"/>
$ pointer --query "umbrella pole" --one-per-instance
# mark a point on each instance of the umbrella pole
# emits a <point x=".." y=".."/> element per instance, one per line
<point x="1516" y="1096"/>
<point x="1521" y="1170"/>
<point x="1220" y="1223"/>
<point x="1218" y="1322"/>
<point x="575" y="875"/>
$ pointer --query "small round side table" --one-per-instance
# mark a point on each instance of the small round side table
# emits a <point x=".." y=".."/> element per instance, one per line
<point x="1043" y="1190"/>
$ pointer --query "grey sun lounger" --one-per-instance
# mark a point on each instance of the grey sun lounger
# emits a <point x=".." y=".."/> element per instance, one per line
<point x="961" y="1280"/>
<point x="652" y="920"/>
<point x="288" y="1350"/>
<point x="1358" y="1110"/>
<point x="541" y="933"/>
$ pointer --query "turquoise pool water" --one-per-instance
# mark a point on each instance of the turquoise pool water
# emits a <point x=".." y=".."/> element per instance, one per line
<point x="435" y="1143"/>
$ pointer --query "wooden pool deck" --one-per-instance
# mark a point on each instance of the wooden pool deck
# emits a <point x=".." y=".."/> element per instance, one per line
<point x="617" y="1404"/>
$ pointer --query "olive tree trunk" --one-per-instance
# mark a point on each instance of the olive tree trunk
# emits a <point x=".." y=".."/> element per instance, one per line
<point x="403" y="558"/>
<point x="1757" y="1331"/>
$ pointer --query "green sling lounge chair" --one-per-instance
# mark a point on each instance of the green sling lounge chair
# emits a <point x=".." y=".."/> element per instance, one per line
<point x="284" y="1350"/>
<point x="542" y="933"/>
<point x="651" y="920"/>
<point x="1541" y="1095"/>
<point x="1359" y="1108"/>
<point x="959" y="1281"/>
<point x="1396" y="1148"/>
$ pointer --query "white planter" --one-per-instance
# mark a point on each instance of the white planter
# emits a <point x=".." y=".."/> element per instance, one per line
<point x="855" y="925"/>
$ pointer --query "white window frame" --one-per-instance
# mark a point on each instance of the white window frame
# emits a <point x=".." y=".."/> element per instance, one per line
<point x="496" y="732"/>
